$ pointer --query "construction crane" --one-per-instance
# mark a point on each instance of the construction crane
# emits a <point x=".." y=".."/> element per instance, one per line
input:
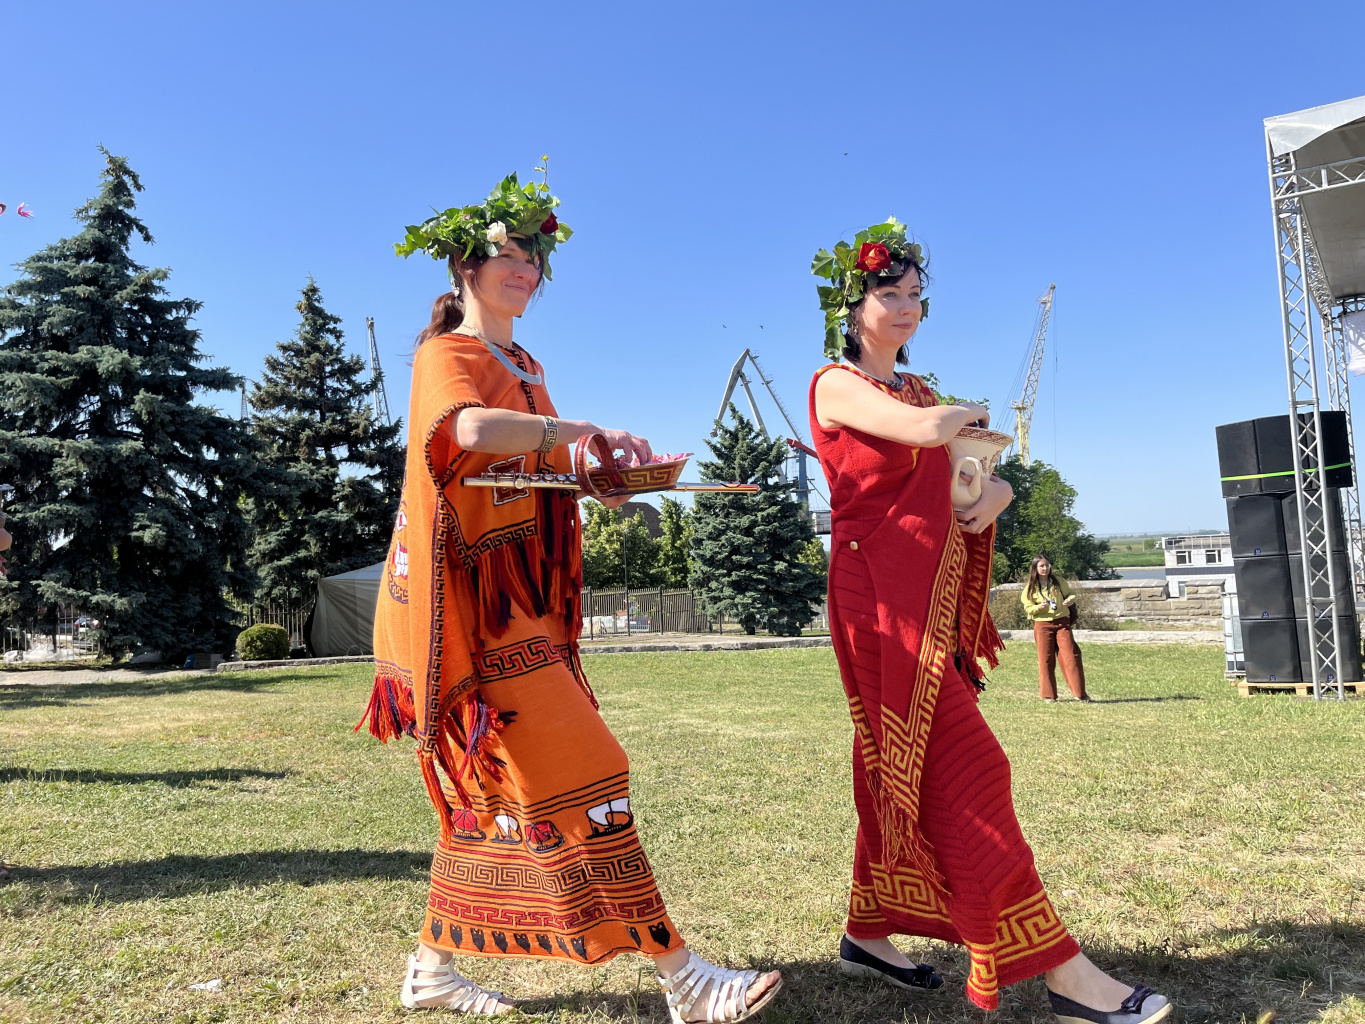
<point x="378" y="397"/>
<point x="1023" y="407"/>
<point x="739" y="377"/>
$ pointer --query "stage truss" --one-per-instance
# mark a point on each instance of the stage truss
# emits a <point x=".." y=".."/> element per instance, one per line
<point x="1304" y="283"/>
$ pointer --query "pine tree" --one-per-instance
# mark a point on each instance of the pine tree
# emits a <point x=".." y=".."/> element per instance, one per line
<point x="1039" y="521"/>
<point x="605" y="535"/>
<point x="127" y="490"/>
<point x="314" y="421"/>
<point x="675" y="555"/>
<point x="748" y="549"/>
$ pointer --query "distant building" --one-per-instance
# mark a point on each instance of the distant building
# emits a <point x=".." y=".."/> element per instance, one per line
<point x="1198" y="558"/>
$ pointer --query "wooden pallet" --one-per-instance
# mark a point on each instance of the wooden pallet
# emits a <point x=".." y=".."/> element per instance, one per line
<point x="1300" y="689"/>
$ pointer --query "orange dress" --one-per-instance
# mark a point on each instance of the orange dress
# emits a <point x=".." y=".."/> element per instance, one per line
<point x="476" y="655"/>
<point x="939" y="850"/>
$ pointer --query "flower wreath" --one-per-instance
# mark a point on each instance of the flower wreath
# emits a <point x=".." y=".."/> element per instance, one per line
<point x="882" y="250"/>
<point x="510" y="209"/>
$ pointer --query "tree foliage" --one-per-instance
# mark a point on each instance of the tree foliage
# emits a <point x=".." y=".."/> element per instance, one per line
<point x="747" y="550"/>
<point x="337" y="472"/>
<point x="1040" y="522"/>
<point x="127" y="489"/>
<point x="675" y="546"/>
<point x="610" y="541"/>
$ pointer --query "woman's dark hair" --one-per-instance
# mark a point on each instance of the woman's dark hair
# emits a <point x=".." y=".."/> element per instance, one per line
<point x="1031" y="587"/>
<point x="447" y="312"/>
<point x="852" y="345"/>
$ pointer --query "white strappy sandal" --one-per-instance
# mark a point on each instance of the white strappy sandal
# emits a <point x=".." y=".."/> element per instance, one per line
<point x="432" y="985"/>
<point x="725" y="998"/>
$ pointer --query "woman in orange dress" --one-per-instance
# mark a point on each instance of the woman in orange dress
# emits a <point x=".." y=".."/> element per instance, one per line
<point x="476" y="652"/>
<point x="939" y="850"/>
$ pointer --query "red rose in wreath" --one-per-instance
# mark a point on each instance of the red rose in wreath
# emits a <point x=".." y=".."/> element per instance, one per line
<point x="550" y="226"/>
<point x="873" y="257"/>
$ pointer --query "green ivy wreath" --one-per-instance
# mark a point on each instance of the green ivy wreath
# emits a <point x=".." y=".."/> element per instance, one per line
<point x="881" y="250"/>
<point x="510" y="209"/>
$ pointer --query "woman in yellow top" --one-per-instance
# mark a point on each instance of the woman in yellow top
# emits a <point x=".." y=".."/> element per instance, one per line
<point x="1049" y="603"/>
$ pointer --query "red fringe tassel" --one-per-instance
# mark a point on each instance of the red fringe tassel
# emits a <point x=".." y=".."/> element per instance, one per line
<point x="391" y="712"/>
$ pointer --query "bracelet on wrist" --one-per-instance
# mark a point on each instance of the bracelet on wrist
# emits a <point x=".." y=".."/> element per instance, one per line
<point x="551" y="438"/>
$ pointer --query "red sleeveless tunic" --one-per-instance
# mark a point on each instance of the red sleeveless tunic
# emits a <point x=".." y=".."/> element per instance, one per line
<point x="939" y="851"/>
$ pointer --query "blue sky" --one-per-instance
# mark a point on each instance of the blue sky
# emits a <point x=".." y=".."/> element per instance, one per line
<point x="703" y="153"/>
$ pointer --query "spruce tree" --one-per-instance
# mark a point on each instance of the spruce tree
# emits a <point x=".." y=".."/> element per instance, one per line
<point x="748" y="549"/>
<point x="127" y="490"/>
<point x="337" y="471"/>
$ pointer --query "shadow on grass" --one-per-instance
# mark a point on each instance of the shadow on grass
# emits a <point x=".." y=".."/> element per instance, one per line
<point x="1143" y="700"/>
<point x="176" y="780"/>
<point x="1227" y="976"/>
<point x="21" y="695"/>
<point x="176" y="876"/>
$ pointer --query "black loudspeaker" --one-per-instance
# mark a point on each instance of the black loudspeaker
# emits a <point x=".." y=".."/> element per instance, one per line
<point x="1350" y="651"/>
<point x="1336" y="523"/>
<point x="1271" y="650"/>
<point x="1237" y="461"/>
<point x="1341" y="565"/>
<point x="1263" y="587"/>
<point x="1257" y="456"/>
<point x="1256" y="524"/>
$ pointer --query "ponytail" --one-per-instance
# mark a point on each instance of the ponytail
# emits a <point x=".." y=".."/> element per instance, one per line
<point x="447" y="313"/>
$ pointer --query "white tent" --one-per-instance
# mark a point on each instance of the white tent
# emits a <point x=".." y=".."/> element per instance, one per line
<point x="1327" y="145"/>
<point x="342" y="620"/>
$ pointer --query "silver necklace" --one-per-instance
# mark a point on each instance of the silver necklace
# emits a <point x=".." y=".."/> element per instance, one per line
<point x="500" y="355"/>
<point x="896" y="382"/>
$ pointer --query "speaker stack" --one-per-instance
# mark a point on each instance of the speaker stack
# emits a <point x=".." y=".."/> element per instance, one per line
<point x="1256" y="462"/>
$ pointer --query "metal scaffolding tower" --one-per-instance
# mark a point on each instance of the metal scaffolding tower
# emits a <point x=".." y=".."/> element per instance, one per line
<point x="1317" y="194"/>
<point x="378" y="397"/>
<point x="1023" y="407"/>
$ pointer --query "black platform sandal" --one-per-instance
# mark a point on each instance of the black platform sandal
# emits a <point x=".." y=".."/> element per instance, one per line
<point x="859" y="963"/>
<point x="1143" y="1006"/>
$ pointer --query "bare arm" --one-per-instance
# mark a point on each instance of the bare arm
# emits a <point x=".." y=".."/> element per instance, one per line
<point x="846" y="400"/>
<point x="505" y="432"/>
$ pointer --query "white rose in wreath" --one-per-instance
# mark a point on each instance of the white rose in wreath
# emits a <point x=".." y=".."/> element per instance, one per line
<point x="497" y="233"/>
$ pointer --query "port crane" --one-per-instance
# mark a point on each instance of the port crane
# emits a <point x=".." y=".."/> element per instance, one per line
<point x="738" y="378"/>
<point x="1028" y="393"/>
<point x="378" y="397"/>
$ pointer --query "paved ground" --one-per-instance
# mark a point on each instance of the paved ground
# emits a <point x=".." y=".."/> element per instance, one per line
<point x="637" y="643"/>
<point x="58" y="676"/>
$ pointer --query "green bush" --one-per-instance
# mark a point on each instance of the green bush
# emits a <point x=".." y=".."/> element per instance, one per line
<point x="1008" y="611"/>
<point x="265" y="642"/>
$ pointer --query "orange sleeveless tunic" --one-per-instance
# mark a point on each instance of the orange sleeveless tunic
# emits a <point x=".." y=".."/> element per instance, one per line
<point x="476" y="656"/>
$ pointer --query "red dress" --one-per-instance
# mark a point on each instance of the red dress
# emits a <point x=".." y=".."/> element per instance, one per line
<point x="940" y="852"/>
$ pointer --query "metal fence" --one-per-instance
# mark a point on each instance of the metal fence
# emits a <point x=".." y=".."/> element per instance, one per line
<point x="55" y="636"/>
<point x="291" y="616"/>
<point x="619" y="612"/>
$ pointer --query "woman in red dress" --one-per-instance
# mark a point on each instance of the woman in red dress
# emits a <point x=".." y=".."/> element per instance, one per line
<point x="939" y="850"/>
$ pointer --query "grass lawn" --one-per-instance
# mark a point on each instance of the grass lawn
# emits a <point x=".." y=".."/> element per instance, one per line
<point x="233" y="827"/>
<point x="1120" y="559"/>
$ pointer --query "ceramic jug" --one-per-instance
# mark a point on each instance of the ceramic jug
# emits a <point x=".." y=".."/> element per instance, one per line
<point x="973" y="452"/>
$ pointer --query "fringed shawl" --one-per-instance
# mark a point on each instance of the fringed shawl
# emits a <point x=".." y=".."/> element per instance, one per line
<point x="463" y="561"/>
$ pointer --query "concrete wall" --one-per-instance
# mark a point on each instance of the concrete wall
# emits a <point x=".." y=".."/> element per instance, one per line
<point x="1146" y="601"/>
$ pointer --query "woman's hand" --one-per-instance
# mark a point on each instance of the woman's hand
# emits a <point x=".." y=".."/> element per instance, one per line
<point x="636" y="449"/>
<point x="996" y="496"/>
<point x="1070" y="601"/>
<point x="983" y="415"/>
